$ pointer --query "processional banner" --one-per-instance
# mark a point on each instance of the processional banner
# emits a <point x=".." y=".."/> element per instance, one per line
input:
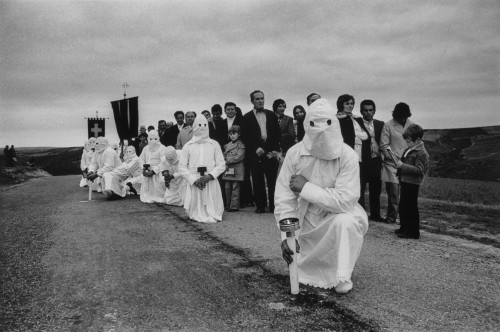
<point x="126" y="112"/>
<point x="96" y="127"/>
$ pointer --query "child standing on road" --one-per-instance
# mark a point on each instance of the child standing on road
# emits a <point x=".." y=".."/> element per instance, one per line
<point x="411" y="171"/>
<point x="234" y="154"/>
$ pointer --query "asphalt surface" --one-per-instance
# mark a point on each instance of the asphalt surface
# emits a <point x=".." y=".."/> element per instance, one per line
<point x="73" y="265"/>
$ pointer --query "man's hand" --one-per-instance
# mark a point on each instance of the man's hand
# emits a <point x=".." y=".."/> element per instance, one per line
<point x="199" y="184"/>
<point x="260" y="152"/>
<point x="148" y="173"/>
<point x="297" y="183"/>
<point x="399" y="164"/>
<point x="92" y="176"/>
<point x="287" y="252"/>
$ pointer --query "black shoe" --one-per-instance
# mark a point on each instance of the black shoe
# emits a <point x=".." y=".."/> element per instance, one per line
<point x="232" y="210"/>
<point x="398" y="231"/>
<point x="377" y="218"/>
<point x="131" y="188"/>
<point x="389" y="220"/>
<point x="406" y="236"/>
<point x="260" y="210"/>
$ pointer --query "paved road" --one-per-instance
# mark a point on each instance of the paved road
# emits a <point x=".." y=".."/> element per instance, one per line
<point x="73" y="265"/>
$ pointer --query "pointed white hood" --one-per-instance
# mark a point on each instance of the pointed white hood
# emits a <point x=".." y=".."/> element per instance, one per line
<point x="322" y="138"/>
<point x="130" y="153"/>
<point x="171" y="155"/>
<point x="153" y="140"/>
<point x="101" y="144"/>
<point x="200" y="130"/>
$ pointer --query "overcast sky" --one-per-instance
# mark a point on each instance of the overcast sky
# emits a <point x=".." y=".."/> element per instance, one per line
<point x="60" y="61"/>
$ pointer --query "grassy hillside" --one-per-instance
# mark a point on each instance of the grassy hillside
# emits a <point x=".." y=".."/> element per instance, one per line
<point x="466" y="153"/>
<point x="463" y="153"/>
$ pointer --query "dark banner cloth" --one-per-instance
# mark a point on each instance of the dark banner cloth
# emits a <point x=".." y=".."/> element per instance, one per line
<point x="126" y="112"/>
<point x="96" y="127"/>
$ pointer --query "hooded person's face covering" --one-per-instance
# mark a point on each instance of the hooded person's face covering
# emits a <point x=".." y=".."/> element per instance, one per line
<point x="153" y="140"/>
<point x="200" y="130"/>
<point x="322" y="138"/>
<point x="129" y="153"/>
<point x="101" y="144"/>
<point x="171" y="155"/>
<point x="87" y="146"/>
<point x="92" y="141"/>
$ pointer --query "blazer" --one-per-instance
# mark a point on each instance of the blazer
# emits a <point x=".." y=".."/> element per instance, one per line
<point x="415" y="166"/>
<point x="219" y="132"/>
<point x="347" y="130"/>
<point x="287" y="133"/>
<point x="234" y="154"/>
<point x="237" y="121"/>
<point x="252" y="136"/>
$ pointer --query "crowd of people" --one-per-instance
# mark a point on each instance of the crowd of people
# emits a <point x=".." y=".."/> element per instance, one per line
<point x="314" y="167"/>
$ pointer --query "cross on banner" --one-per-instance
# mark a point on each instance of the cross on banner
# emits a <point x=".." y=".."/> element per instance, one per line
<point x="96" y="127"/>
<point x="96" y="130"/>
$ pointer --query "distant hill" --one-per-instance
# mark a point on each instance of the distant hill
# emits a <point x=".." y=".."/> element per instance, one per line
<point x="465" y="153"/>
<point x="462" y="153"/>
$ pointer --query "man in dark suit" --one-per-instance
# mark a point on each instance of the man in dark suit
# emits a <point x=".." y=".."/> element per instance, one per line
<point x="370" y="167"/>
<point x="217" y="127"/>
<point x="286" y="126"/>
<point x="260" y="132"/>
<point x="174" y="131"/>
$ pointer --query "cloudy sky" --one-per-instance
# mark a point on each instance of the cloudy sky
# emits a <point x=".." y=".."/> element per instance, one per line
<point x="60" y="61"/>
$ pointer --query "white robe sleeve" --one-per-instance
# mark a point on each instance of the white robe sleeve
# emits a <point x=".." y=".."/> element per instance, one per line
<point x="220" y="162"/>
<point x="183" y="169"/>
<point x="344" y="196"/>
<point x="109" y="162"/>
<point x="93" y="163"/>
<point x="83" y="162"/>
<point x="285" y="200"/>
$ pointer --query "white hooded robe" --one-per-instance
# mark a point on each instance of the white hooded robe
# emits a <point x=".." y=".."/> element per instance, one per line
<point x="332" y="223"/>
<point x="153" y="187"/>
<point x="104" y="160"/>
<point x="174" y="195"/>
<point x="202" y="205"/>
<point x="131" y="167"/>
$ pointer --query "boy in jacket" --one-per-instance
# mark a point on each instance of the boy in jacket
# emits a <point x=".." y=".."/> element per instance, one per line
<point x="234" y="154"/>
<point x="411" y="171"/>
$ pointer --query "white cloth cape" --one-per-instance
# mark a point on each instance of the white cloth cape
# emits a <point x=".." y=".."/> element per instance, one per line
<point x="153" y="188"/>
<point x="332" y="223"/>
<point x="115" y="180"/>
<point x="203" y="205"/>
<point x="175" y="194"/>
<point x="102" y="162"/>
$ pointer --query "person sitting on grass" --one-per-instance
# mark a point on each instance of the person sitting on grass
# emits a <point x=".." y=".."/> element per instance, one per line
<point x="411" y="172"/>
<point x="85" y="161"/>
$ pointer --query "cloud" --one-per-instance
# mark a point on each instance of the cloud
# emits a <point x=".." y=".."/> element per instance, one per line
<point x="61" y="61"/>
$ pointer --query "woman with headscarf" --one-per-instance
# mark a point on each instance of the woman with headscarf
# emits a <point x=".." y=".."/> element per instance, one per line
<point x="175" y="183"/>
<point x="201" y="163"/>
<point x="113" y="182"/>
<point x="319" y="184"/>
<point x="153" y="185"/>
<point x="299" y="113"/>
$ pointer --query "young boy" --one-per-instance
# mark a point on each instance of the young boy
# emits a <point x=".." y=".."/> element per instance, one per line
<point x="235" y="169"/>
<point x="411" y="171"/>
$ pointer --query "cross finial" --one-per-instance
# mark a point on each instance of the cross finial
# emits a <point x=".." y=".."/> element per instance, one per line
<point x="125" y="86"/>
